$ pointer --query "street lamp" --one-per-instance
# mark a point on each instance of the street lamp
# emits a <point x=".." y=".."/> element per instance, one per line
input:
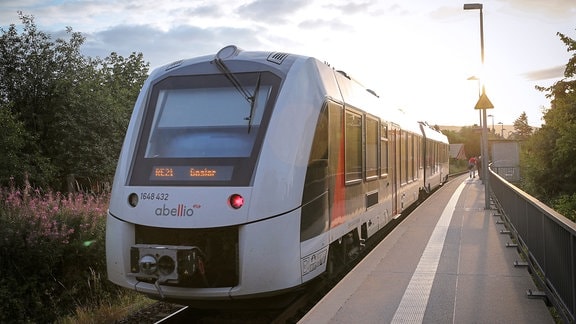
<point x="493" y="131"/>
<point x="483" y="103"/>
<point x="477" y="79"/>
<point x="502" y="129"/>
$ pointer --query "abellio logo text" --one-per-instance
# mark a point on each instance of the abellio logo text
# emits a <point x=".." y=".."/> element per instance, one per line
<point x="180" y="210"/>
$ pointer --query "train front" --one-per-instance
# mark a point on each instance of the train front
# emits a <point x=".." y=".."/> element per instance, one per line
<point x="206" y="198"/>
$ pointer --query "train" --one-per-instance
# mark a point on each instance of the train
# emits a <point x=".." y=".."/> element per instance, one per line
<point x="244" y="175"/>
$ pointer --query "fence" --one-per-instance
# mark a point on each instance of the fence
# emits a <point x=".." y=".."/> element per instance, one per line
<point x="509" y="173"/>
<point x="546" y="239"/>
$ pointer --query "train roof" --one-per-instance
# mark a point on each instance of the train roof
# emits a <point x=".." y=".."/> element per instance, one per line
<point x="432" y="133"/>
<point x="353" y="92"/>
<point x="275" y="59"/>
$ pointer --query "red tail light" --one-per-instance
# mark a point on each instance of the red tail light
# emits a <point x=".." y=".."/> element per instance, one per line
<point x="236" y="201"/>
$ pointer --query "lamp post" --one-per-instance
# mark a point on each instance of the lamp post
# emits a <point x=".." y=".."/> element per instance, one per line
<point x="477" y="79"/>
<point x="502" y="129"/>
<point x="493" y="130"/>
<point x="483" y="103"/>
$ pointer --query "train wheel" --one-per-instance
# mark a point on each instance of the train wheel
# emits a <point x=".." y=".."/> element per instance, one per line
<point x="341" y="252"/>
<point x="336" y="259"/>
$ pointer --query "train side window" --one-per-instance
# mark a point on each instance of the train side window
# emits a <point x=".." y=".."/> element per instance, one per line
<point x="429" y="156"/>
<point x="315" y="206"/>
<point x="384" y="150"/>
<point x="436" y="157"/>
<point x="433" y="156"/>
<point x="353" y="148"/>
<point x="418" y="151"/>
<point x="403" y="157"/>
<point x="416" y="157"/>
<point x="371" y="148"/>
<point x="410" y="157"/>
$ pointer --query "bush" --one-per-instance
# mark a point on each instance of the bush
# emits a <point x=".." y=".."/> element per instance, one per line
<point x="565" y="205"/>
<point x="52" y="253"/>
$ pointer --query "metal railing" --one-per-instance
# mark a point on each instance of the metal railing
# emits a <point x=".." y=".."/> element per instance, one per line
<point x="509" y="173"/>
<point x="545" y="238"/>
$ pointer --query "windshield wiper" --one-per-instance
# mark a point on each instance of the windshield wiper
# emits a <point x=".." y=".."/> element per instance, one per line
<point x="232" y="78"/>
<point x="253" y="102"/>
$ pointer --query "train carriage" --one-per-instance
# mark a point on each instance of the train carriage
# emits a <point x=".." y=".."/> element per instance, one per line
<point x="244" y="175"/>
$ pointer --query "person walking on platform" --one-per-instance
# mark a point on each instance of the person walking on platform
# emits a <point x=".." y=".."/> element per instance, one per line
<point x="479" y="166"/>
<point x="472" y="167"/>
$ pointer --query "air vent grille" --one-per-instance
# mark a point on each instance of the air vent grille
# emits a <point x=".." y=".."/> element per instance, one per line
<point x="277" y="57"/>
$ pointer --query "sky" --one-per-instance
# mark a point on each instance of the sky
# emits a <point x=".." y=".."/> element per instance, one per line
<point x="418" y="55"/>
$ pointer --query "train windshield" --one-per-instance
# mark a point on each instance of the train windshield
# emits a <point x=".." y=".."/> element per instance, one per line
<point x="202" y="129"/>
<point x="207" y="122"/>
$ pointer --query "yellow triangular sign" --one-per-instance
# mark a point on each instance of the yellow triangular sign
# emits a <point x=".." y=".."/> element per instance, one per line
<point x="484" y="103"/>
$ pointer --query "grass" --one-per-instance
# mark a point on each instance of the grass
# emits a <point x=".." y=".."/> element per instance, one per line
<point x="52" y="259"/>
<point x="110" y="312"/>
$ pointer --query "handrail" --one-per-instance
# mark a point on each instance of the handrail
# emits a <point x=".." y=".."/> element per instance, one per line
<point x="546" y="239"/>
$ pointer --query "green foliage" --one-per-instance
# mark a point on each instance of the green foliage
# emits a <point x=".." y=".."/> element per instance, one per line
<point x="458" y="166"/>
<point x="548" y="156"/>
<point x="52" y="254"/>
<point x="12" y="142"/>
<point x="565" y="205"/>
<point x="469" y="136"/>
<point x="522" y="129"/>
<point x="70" y="112"/>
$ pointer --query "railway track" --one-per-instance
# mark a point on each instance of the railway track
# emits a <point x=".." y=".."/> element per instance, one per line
<point x="155" y="313"/>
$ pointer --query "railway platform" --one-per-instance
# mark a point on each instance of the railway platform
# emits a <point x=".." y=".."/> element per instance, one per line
<point x="447" y="262"/>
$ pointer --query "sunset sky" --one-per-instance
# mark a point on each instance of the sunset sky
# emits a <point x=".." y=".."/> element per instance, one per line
<point x="416" y="54"/>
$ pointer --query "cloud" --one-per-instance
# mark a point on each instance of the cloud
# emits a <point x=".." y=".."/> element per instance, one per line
<point x="333" y="25"/>
<point x="201" y="11"/>
<point x="545" y="74"/>
<point x="350" y="7"/>
<point x="446" y="12"/>
<point x="554" y="9"/>
<point x="274" y="11"/>
<point x="162" y="47"/>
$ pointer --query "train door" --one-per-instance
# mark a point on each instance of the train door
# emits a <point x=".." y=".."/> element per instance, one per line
<point x="394" y="154"/>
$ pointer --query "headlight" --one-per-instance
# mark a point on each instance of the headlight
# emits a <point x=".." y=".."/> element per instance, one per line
<point x="166" y="265"/>
<point x="148" y="264"/>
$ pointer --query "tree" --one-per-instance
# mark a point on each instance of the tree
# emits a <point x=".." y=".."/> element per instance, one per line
<point x="12" y="142"/>
<point x="95" y="119"/>
<point x="472" y="136"/>
<point x="521" y="127"/>
<point x="469" y="136"/>
<point x="549" y="155"/>
<point x="71" y="111"/>
<point x="25" y="91"/>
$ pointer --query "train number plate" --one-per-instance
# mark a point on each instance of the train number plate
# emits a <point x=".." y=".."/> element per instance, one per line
<point x="154" y="196"/>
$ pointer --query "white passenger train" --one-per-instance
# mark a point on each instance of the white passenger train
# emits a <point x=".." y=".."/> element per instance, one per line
<point x="245" y="175"/>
